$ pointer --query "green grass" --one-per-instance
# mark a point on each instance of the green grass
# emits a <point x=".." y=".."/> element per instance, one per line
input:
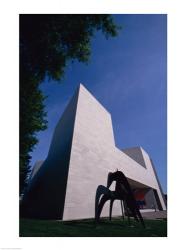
<point x="87" y="228"/>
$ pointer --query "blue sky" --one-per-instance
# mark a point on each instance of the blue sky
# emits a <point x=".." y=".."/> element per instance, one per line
<point x="128" y="75"/>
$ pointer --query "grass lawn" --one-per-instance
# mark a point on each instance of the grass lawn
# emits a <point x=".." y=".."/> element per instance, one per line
<point x="87" y="228"/>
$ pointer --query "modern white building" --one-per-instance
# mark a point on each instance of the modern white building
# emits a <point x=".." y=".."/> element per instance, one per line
<point x="81" y="155"/>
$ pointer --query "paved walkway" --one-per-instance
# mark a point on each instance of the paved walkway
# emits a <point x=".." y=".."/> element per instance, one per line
<point x="155" y="215"/>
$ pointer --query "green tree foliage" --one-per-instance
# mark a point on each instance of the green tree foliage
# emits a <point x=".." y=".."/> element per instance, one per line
<point x="47" y="44"/>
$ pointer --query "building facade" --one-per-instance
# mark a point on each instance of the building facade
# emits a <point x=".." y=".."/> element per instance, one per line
<point x="81" y="155"/>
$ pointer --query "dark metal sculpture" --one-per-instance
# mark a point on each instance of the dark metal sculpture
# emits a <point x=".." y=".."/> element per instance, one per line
<point x="122" y="192"/>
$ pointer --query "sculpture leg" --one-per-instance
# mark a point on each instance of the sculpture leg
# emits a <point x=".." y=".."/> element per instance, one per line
<point x="99" y="202"/>
<point x="135" y="212"/>
<point x="101" y="190"/>
<point x="131" y="205"/>
<point x="104" y="198"/>
<point x="140" y="217"/>
<point x="127" y="211"/>
<point x="111" y="205"/>
<point x="122" y="209"/>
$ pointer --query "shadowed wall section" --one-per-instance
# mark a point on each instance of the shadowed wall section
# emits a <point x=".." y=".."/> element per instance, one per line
<point x="46" y="193"/>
